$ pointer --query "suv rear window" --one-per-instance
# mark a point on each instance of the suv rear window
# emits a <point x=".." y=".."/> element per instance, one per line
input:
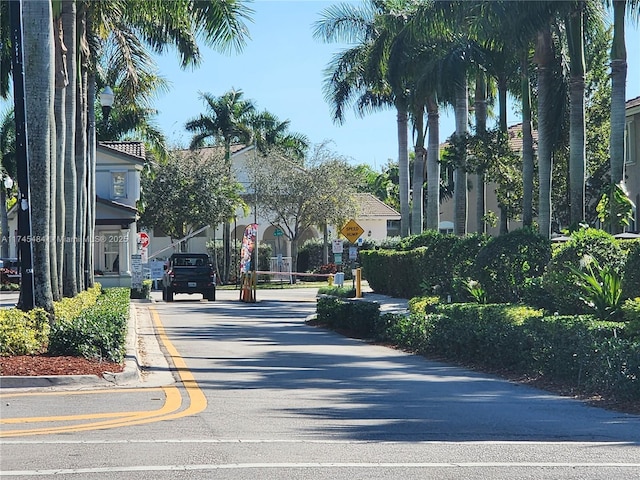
<point x="190" y="261"/>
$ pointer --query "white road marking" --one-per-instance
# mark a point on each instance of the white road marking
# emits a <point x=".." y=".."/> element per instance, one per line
<point x="241" y="466"/>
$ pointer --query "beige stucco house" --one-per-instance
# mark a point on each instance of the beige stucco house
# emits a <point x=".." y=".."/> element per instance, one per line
<point x="376" y="219"/>
<point x="118" y="169"/>
<point x="632" y="157"/>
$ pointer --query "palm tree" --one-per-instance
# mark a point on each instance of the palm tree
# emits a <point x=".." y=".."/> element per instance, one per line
<point x="268" y="131"/>
<point x="226" y="122"/>
<point x="133" y="117"/>
<point x="358" y="75"/>
<point x="39" y="81"/>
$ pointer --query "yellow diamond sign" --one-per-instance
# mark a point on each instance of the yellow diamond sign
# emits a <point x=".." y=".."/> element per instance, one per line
<point x="352" y="231"/>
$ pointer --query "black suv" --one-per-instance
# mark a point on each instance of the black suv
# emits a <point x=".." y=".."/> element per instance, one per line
<point x="189" y="273"/>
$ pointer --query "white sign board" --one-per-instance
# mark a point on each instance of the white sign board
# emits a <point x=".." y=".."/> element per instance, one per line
<point x="156" y="268"/>
<point x="353" y="253"/>
<point x="337" y="246"/>
<point x="136" y="271"/>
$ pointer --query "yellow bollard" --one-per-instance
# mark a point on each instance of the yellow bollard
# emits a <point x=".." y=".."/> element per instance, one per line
<point x="330" y="279"/>
<point x="358" y="283"/>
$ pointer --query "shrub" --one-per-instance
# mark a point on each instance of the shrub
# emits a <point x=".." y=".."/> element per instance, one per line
<point x="505" y="262"/>
<point x="336" y="291"/>
<point x="423" y="305"/>
<point x="144" y="292"/>
<point x="601" y="289"/>
<point x="23" y="333"/>
<point x="560" y="280"/>
<point x="98" y="332"/>
<point x="69" y="308"/>
<point x="356" y="316"/>
<point x="631" y="275"/>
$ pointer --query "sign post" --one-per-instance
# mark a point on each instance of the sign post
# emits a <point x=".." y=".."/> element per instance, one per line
<point x="136" y="271"/>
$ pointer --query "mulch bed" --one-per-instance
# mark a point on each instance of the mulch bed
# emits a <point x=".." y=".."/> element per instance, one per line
<point x="33" y="365"/>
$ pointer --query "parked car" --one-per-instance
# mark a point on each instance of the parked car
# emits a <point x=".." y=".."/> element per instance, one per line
<point x="189" y="273"/>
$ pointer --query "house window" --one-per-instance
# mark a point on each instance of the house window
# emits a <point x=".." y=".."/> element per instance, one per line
<point x="111" y="251"/>
<point x="393" y="228"/>
<point x="118" y="185"/>
<point x="630" y="143"/>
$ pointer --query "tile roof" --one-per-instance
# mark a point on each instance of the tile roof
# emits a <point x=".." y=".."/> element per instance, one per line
<point x="135" y="149"/>
<point x="634" y="102"/>
<point x="371" y="206"/>
<point x="515" y="137"/>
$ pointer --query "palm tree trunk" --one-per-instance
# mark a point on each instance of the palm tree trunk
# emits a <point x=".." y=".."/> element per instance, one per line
<point x="618" y="99"/>
<point x="417" y="217"/>
<point x="481" y="129"/>
<point x="69" y="284"/>
<point x="57" y="166"/>
<point x="543" y="57"/>
<point x="39" y="85"/>
<point x="91" y="185"/>
<point x="527" y="147"/>
<point x="403" y="167"/>
<point x="460" y="174"/>
<point x="81" y="148"/>
<point x="433" y="165"/>
<point x="577" y="147"/>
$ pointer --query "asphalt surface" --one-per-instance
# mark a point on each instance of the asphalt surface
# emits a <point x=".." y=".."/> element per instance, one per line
<point x="145" y="363"/>
<point x="255" y="393"/>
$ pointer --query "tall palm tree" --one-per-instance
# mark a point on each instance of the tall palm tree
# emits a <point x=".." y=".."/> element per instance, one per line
<point x="357" y="75"/>
<point x="268" y="131"/>
<point x="544" y="59"/>
<point x="39" y="81"/>
<point x="225" y="123"/>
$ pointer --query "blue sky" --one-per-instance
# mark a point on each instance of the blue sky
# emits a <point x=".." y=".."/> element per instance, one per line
<point x="281" y="70"/>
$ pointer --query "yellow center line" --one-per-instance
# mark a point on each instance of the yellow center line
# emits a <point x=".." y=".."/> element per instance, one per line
<point x="169" y="411"/>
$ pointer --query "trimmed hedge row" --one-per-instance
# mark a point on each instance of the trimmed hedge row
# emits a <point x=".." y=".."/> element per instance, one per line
<point x="99" y="332"/>
<point x="356" y="316"/>
<point x="590" y="355"/>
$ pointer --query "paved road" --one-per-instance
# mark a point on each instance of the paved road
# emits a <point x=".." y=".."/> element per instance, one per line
<point x="259" y="394"/>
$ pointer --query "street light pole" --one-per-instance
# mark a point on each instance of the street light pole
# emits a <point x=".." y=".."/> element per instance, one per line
<point x="27" y="301"/>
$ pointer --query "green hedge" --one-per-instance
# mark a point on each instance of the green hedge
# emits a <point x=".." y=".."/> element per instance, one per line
<point x="592" y="356"/>
<point x="23" y="333"/>
<point x="99" y="332"/>
<point x="143" y="293"/>
<point x="359" y="317"/>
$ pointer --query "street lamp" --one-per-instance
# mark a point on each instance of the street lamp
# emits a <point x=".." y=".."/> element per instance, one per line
<point x="106" y="101"/>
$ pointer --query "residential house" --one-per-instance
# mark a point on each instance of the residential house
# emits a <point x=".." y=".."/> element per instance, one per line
<point x="377" y="219"/>
<point x="632" y="157"/>
<point x="118" y="169"/>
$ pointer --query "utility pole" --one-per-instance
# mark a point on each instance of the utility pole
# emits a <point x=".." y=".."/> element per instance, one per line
<point x="25" y="253"/>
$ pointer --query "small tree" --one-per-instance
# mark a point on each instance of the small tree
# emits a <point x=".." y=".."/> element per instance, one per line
<point x="187" y="193"/>
<point x="299" y="194"/>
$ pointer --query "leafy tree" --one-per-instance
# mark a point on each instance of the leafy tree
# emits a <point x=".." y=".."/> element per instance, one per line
<point x="186" y="193"/>
<point x="298" y="194"/>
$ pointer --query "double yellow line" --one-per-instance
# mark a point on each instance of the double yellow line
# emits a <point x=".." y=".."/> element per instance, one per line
<point x="169" y="411"/>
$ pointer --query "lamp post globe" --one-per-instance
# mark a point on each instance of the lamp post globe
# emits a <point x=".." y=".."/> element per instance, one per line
<point x="106" y="101"/>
